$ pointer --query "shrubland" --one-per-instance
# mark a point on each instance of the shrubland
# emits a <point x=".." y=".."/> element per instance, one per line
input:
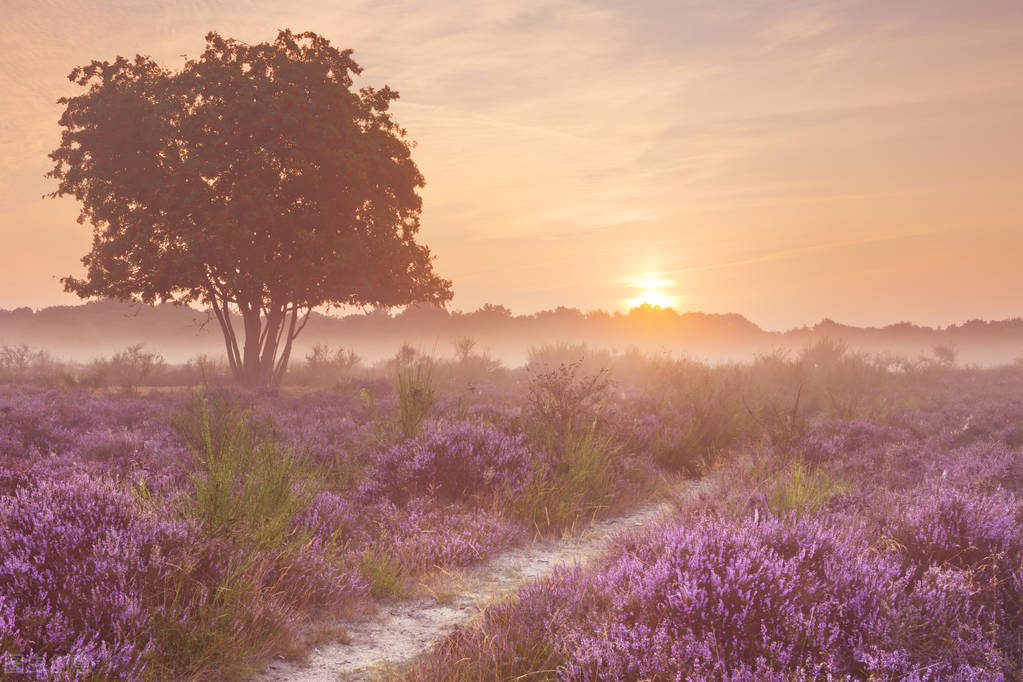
<point x="861" y="517"/>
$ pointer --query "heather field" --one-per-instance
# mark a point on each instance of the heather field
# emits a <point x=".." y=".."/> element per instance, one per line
<point x="858" y="517"/>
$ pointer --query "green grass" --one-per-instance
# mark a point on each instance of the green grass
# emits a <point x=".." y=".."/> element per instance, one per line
<point x="243" y="487"/>
<point x="801" y="490"/>
<point x="577" y="486"/>
<point x="246" y="494"/>
<point x="415" y="395"/>
<point x="381" y="573"/>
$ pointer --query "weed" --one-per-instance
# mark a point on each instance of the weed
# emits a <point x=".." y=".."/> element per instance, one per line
<point x="801" y="490"/>
<point x="576" y="484"/>
<point x="561" y="400"/>
<point x="415" y="394"/>
<point x="381" y="574"/>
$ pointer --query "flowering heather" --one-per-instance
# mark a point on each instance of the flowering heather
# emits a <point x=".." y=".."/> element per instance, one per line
<point x="902" y="561"/>
<point x="912" y="571"/>
<point x="833" y="438"/>
<point x="67" y="432"/>
<point x="948" y="526"/>
<point x="717" y="599"/>
<point x="81" y="568"/>
<point x="422" y="534"/>
<point x="453" y="461"/>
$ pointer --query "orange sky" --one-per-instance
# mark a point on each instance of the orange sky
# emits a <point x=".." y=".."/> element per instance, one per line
<point x="785" y="160"/>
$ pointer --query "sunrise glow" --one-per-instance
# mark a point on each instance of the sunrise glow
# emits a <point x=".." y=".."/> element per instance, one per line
<point x="857" y="161"/>
<point x="651" y="289"/>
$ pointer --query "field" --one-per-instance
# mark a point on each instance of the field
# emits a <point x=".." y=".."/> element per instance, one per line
<point x="857" y="517"/>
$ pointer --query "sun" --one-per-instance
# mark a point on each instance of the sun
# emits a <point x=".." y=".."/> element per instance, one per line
<point x="651" y="290"/>
<point x="653" y="297"/>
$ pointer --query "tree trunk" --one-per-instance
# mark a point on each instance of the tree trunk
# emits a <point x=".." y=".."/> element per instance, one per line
<point x="258" y="364"/>
<point x="272" y="337"/>
<point x="250" y="355"/>
<point x="282" y="364"/>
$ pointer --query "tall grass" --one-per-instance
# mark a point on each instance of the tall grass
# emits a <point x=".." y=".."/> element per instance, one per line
<point x="234" y="619"/>
<point x="243" y="486"/>
<point x="576" y="482"/>
<point x="416" y="395"/>
<point x="241" y="588"/>
<point x="573" y="479"/>
<point x="801" y="490"/>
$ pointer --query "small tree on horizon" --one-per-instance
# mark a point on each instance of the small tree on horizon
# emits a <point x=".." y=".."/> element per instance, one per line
<point x="254" y="181"/>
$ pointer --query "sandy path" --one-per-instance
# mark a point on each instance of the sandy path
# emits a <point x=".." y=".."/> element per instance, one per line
<point x="404" y="629"/>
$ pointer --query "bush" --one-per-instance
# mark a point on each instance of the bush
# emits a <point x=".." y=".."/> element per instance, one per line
<point x="80" y="583"/>
<point x="705" y="415"/>
<point x="21" y="364"/>
<point x="326" y="367"/>
<point x="561" y="400"/>
<point x="243" y="487"/>
<point x="460" y="460"/>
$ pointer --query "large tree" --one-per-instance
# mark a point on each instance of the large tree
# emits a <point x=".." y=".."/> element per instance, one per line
<point x="255" y="181"/>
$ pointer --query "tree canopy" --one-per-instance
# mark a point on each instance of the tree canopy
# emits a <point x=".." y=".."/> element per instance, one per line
<point x="255" y="181"/>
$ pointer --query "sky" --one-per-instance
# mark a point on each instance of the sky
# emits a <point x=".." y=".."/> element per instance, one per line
<point x="859" y="160"/>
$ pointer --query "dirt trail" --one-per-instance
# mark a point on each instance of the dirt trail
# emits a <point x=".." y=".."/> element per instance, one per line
<point x="404" y="629"/>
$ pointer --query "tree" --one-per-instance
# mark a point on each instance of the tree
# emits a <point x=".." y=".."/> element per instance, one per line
<point x="254" y="181"/>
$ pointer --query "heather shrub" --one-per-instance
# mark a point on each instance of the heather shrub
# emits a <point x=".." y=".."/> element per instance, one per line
<point x="74" y="431"/>
<point x="332" y="518"/>
<point x="944" y="628"/>
<point x="518" y="638"/>
<point x="713" y="599"/>
<point x="944" y="525"/>
<point x="983" y="466"/>
<point x="425" y="534"/>
<point x="381" y="544"/>
<point x="334" y="432"/>
<point x="772" y="600"/>
<point x="703" y="601"/>
<point x="829" y="439"/>
<point x="1000" y="423"/>
<point x="975" y="536"/>
<point x="81" y="577"/>
<point x="459" y="460"/>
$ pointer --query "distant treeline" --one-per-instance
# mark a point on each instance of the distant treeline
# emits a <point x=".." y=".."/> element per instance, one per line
<point x="98" y="328"/>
